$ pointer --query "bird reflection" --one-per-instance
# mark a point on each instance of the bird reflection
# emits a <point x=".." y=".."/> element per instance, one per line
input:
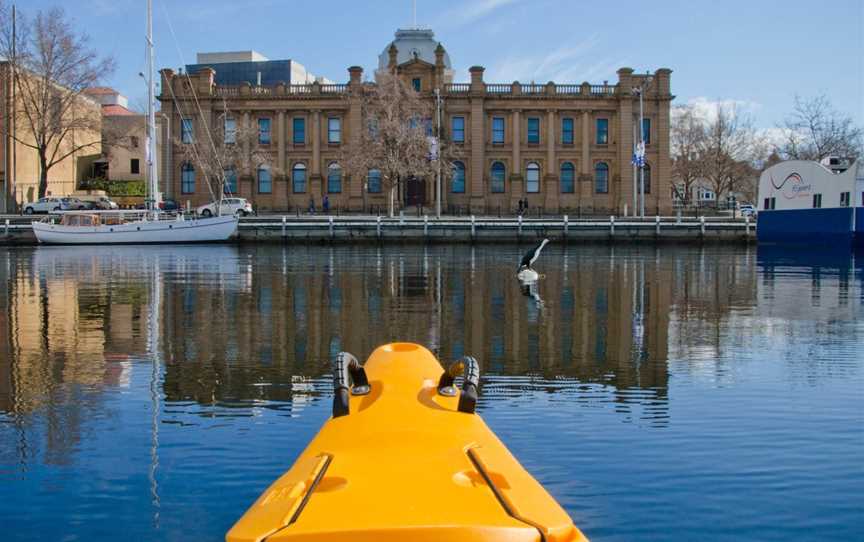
<point x="531" y="290"/>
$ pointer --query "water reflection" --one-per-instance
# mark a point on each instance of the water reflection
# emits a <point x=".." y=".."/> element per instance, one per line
<point x="239" y="325"/>
<point x="231" y="319"/>
<point x="165" y="347"/>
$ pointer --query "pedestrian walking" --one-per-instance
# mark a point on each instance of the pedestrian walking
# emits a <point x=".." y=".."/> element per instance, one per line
<point x="311" y="205"/>
<point x="325" y="205"/>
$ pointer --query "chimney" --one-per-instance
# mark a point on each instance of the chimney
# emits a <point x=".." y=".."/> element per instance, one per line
<point x="477" y="84"/>
<point x="356" y="75"/>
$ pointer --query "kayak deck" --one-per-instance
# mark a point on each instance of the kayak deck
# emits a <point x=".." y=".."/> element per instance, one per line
<point x="405" y="464"/>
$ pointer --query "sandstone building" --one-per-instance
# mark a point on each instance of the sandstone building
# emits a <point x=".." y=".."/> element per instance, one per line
<point x="124" y="138"/>
<point x="563" y="147"/>
<point x="19" y="163"/>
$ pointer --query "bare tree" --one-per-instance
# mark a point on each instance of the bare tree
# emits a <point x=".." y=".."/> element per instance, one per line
<point x="53" y="66"/>
<point x="230" y="146"/>
<point x="394" y="138"/>
<point x="688" y="137"/>
<point x="815" y="130"/>
<point x="729" y="149"/>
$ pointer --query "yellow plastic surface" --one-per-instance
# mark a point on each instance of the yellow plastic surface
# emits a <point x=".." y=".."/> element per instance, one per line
<point x="405" y="465"/>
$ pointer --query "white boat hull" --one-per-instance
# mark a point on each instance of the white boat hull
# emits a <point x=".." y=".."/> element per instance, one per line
<point x="202" y="230"/>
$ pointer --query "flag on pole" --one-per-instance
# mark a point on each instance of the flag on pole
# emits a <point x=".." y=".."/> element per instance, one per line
<point x="639" y="155"/>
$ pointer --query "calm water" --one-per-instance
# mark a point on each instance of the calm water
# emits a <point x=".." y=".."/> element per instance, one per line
<point x="658" y="393"/>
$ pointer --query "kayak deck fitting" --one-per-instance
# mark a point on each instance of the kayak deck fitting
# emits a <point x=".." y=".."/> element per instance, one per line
<point x="404" y="458"/>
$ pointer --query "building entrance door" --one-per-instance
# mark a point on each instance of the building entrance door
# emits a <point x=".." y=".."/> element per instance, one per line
<point x="415" y="192"/>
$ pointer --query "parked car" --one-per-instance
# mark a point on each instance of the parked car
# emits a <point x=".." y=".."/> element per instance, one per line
<point x="48" y="204"/>
<point x="747" y="210"/>
<point x="72" y="204"/>
<point x="170" y="205"/>
<point x="228" y="206"/>
<point x="102" y="203"/>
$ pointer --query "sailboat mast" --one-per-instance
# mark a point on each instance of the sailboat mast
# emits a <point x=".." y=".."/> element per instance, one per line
<point x="152" y="171"/>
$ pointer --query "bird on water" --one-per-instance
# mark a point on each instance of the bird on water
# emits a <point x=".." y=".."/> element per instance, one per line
<point x="525" y="273"/>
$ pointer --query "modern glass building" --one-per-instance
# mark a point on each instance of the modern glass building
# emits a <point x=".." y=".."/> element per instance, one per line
<point x="235" y="68"/>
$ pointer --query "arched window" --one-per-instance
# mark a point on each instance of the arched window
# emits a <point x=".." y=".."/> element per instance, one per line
<point x="601" y="178"/>
<point x="568" y="178"/>
<point x="457" y="184"/>
<point x="298" y="178"/>
<point x="373" y="181"/>
<point x="265" y="180"/>
<point x="230" y="181"/>
<point x="334" y="179"/>
<point x="647" y="172"/>
<point x="187" y="179"/>
<point x="532" y="178"/>
<point x="497" y="178"/>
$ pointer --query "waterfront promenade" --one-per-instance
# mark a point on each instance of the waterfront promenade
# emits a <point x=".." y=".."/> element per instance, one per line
<point x="16" y="230"/>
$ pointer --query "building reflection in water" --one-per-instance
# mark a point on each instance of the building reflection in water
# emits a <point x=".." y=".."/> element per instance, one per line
<point x="256" y="326"/>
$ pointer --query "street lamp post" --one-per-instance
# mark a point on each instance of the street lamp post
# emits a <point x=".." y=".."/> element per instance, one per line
<point x="640" y="151"/>
<point x="438" y="158"/>
<point x="642" y="154"/>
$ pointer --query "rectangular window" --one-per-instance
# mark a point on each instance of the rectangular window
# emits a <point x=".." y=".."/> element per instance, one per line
<point x="373" y="184"/>
<point x="299" y="178"/>
<point x="134" y="166"/>
<point x="299" y="131"/>
<point x="230" y="131"/>
<point x="602" y="131"/>
<point x="769" y="204"/>
<point x="567" y="131"/>
<point x="186" y="131"/>
<point x="458" y="129"/>
<point x="498" y="131"/>
<point x="334" y="130"/>
<point x="265" y="182"/>
<point x="187" y="180"/>
<point x="230" y="181"/>
<point x="417" y="84"/>
<point x="646" y="131"/>
<point x="264" y="131"/>
<point x="817" y="201"/>
<point x="533" y="130"/>
<point x="134" y="141"/>
<point x="334" y="179"/>
<point x="845" y="199"/>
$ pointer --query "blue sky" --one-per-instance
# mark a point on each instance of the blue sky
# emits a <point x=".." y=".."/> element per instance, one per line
<point x="757" y="53"/>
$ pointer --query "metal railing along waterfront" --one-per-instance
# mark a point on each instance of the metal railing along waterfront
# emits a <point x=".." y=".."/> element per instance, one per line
<point x="472" y="228"/>
<point x="505" y="228"/>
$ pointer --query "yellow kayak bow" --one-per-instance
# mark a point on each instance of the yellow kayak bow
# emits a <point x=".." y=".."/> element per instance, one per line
<point x="404" y="458"/>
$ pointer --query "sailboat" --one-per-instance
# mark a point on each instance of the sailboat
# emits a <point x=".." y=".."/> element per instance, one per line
<point x="137" y="227"/>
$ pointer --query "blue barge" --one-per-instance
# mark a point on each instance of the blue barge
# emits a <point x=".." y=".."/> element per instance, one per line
<point x="805" y="202"/>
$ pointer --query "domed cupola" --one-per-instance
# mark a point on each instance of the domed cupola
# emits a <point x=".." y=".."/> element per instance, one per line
<point x="415" y="44"/>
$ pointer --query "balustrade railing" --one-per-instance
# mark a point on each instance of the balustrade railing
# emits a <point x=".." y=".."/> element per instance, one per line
<point x="334" y="89"/>
<point x="227" y="91"/>
<point x="602" y="90"/>
<point x="568" y="89"/>
<point x="531" y="89"/>
<point x="457" y="88"/>
<point x="495" y="88"/>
